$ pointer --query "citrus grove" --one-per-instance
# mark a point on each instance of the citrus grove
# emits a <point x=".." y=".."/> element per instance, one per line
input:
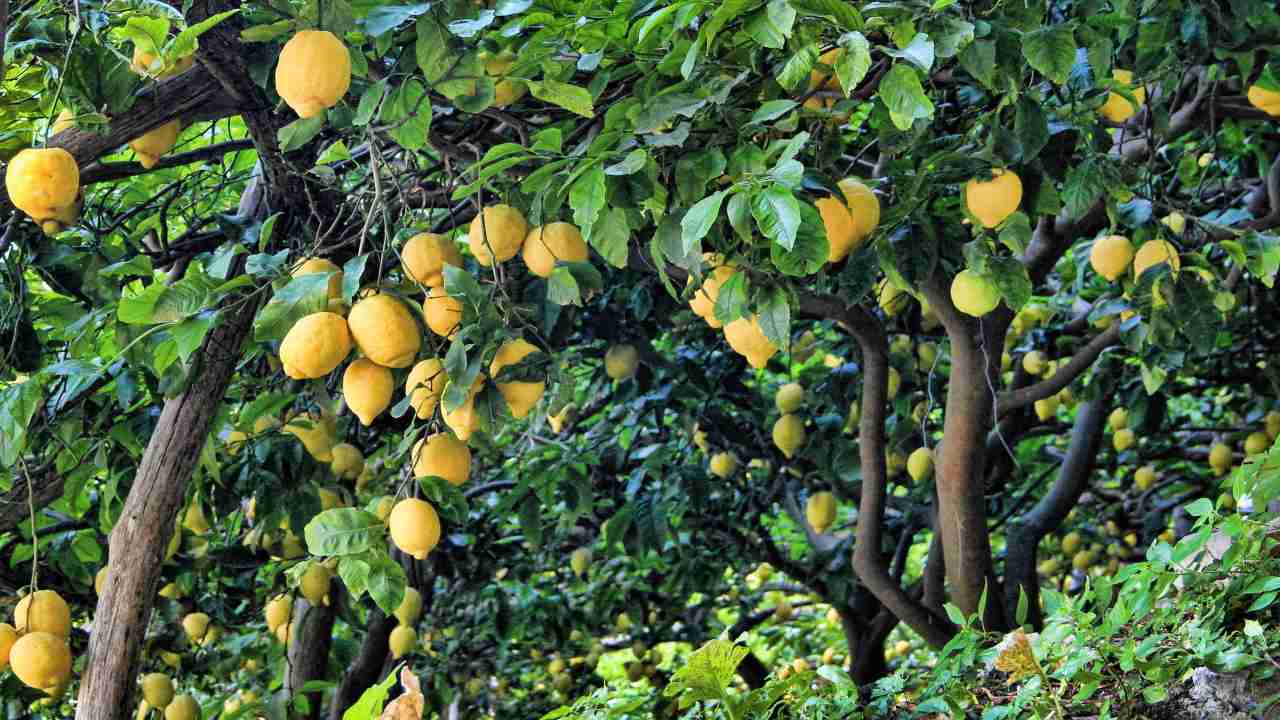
<point x="756" y="358"/>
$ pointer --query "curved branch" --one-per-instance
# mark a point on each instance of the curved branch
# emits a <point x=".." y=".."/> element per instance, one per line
<point x="108" y="172"/>
<point x="1081" y="361"/>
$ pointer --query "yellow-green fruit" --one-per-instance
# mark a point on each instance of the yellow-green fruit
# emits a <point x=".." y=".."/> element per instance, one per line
<point x="991" y="201"/>
<point x="402" y="641"/>
<point x="195" y="625"/>
<point x="444" y="456"/>
<point x="384" y="330"/>
<point x="348" y="461"/>
<point x="820" y="511"/>
<point x="1071" y="543"/>
<point x="1144" y="477"/>
<point x="8" y="636"/>
<point x="1256" y="443"/>
<point x="789" y="434"/>
<point x="314" y="584"/>
<point x="621" y="362"/>
<point x="183" y="707"/>
<point x="155" y="143"/>
<point x="383" y="508"/>
<point x="580" y="560"/>
<point x="313" y="72"/>
<point x="927" y="355"/>
<point x="800" y="665"/>
<point x="497" y="232"/>
<point x="747" y="338"/>
<point x="551" y="243"/>
<point x="317" y="435"/>
<point x="43" y="611"/>
<point x="442" y="311"/>
<point x="521" y="395"/>
<point x="157" y="688"/>
<point x="1118" y="419"/>
<point x="194" y="520"/>
<point x="43" y="183"/>
<point x="410" y="607"/>
<point x="891" y="298"/>
<point x="424" y="386"/>
<point x="367" y="388"/>
<point x="284" y="633"/>
<point x="893" y="383"/>
<point x="920" y="464"/>
<point x="782" y="612"/>
<point x="973" y="294"/>
<point x="1123" y="440"/>
<point x="1155" y="252"/>
<point x="1268" y="101"/>
<point x="622" y="623"/>
<point x="1119" y="108"/>
<point x="315" y="345"/>
<point x="840" y="228"/>
<point x="1272" y="424"/>
<point x="424" y="256"/>
<point x="1082" y="560"/>
<point x="789" y="398"/>
<point x="1035" y="363"/>
<point x="723" y="465"/>
<point x="1220" y="459"/>
<point x="1111" y="255"/>
<point x="902" y="647"/>
<point x="312" y="266"/>
<point x="1047" y="408"/>
<point x="278" y="611"/>
<point x="41" y="661"/>
<point x="415" y="527"/>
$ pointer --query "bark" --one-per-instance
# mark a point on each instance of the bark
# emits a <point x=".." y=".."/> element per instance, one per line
<point x="753" y="672"/>
<point x="367" y="668"/>
<point x="1026" y="532"/>
<point x="308" y="656"/>
<point x="866" y="649"/>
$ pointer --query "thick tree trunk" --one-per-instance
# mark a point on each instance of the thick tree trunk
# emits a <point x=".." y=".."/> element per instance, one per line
<point x="308" y="655"/>
<point x="753" y="672"/>
<point x="867" y="656"/>
<point x="367" y="668"/>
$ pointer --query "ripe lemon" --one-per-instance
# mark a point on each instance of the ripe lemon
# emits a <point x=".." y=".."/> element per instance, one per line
<point x="314" y="584"/>
<point x="1047" y="408"/>
<point x="183" y="707"/>
<point x="991" y="201"/>
<point x="973" y="294"/>
<point x="789" y="434"/>
<point x="402" y="641"/>
<point x="348" y="461"/>
<point x="443" y="312"/>
<point x="155" y="143"/>
<point x="330" y="499"/>
<point x="367" y="388"/>
<point x="1118" y="108"/>
<point x="1155" y="252"/>
<point x="313" y="72"/>
<point x="41" y="661"/>
<point x="157" y="688"/>
<point x="789" y="398"/>
<point x="195" y="625"/>
<point x="1144" y="477"/>
<point x="1082" y="560"/>
<point x="891" y="298"/>
<point x="43" y="611"/>
<point x="1256" y="443"/>
<point x="1268" y="101"/>
<point x="723" y="465"/>
<point x="557" y="241"/>
<point x="8" y="636"/>
<point x="1220" y="459"/>
<point x="194" y="520"/>
<point x="863" y="205"/>
<point x="463" y="420"/>
<point x="284" y="633"/>
<point x="497" y="232"/>
<point x="1035" y="363"/>
<point x="505" y="92"/>
<point x="43" y="183"/>
<point x="415" y="527"/>
<point x="621" y="362"/>
<point x="410" y="607"/>
<point x="424" y="385"/>
<point x="703" y="301"/>
<point x="920" y="463"/>
<point x="1123" y="440"/>
<point x="1111" y="255"/>
<point x="443" y="456"/>
<point x="315" y="345"/>
<point x="278" y="611"/>
<point x="820" y="511"/>
<point x="311" y="266"/>
<point x="385" y="331"/>
<point x="580" y="561"/>
<point x="747" y="338"/>
<point x="840" y="228"/>
<point x="316" y="433"/>
<point x="521" y="395"/>
<point x="424" y="256"/>
<point x="1118" y="419"/>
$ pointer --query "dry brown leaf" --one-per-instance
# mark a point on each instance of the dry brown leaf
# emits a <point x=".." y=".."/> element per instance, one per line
<point x="408" y="706"/>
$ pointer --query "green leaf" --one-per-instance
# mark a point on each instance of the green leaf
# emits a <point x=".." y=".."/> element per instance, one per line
<point x="383" y="19"/>
<point x="408" y="113"/>
<point x="902" y="93"/>
<point x="18" y="404"/>
<point x="562" y="287"/>
<point x="299" y="132"/>
<point x="302" y="296"/>
<point x="852" y="65"/>
<point x="772" y="110"/>
<point x="1015" y="233"/>
<point x="777" y="214"/>
<point x="775" y="317"/>
<point x="586" y="197"/>
<point x="344" y="531"/>
<point x="352" y="271"/>
<point x="771" y="26"/>
<point x="708" y="671"/>
<point x="797" y="68"/>
<point x="698" y="221"/>
<point x="354" y="571"/>
<point x="148" y="35"/>
<point x="810" y="251"/>
<point x="189" y="334"/>
<point x="1010" y="276"/>
<point x="575" y="99"/>
<point x="613" y="238"/>
<point x="434" y="49"/>
<point x="387" y="580"/>
<point x="632" y="163"/>
<point x="138" y="308"/>
<point x="844" y="14"/>
<point x="186" y="42"/>
<point x="731" y="302"/>
<point x="979" y="60"/>
<point x="267" y="32"/>
<point x="918" y="52"/>
<point x="1051" y="50"/>
<point x="369" y="706"/>
<point x="1082" y="188"/>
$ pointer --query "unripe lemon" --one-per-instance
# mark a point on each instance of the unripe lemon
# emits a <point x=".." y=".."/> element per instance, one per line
<point x="194" y="520"/>
<point x="557" y="241"/>
<point x="1118" y="108"/>
<point x="580" y="561"/>
<point x="442" y="311"/>
<point x="1175" y="221"/>
<point x="278" y="611"/>
<point x="789" y="434"/>
<point x="383" y="508"/>
<point x="195" y="625"/>
<point x="497" y="232"/>
<point x="313" y="73"/>
<point x="621" y="362"/>
<point x="991" y="201"/>
<point x="782" y="612"/>
<point x="41" y="661"/>
<point x="1035" y="363"/>
<point x="723" y="465"/>
<point x="316" y="433"/>
<point x="1047" y="408"/>
<point x="463" y="420"/>
<point x="1220" y="459"/>
<point x="183" y="707"/>
<point x="155" y="143"/>
<point x="415" y="527"/>
<point x="424" y="256"/>
<point x="402" y="641"/>
<point x="703" y="301"/>
<point x="789" y="398"/>
<point x="315" y="345"/>
<point x="1071" y="543"/>
<point x="893" y="383"/>
<point x="311" y="266"/>
<point x="1122" y="440"/>
<point x="314" y="584"/>
<point x="1118" y="419"/>
<point x="820" y="511"/>
<point x="1268" y="101"/>
<point x="424" y="385"/>
<point x="43" y="611"/>
<point x="367" y="388"/>
<point x="443" y="456"/>
<point x="973" y="294"/>
<point x="1111" y="255"/>
<point x="1082" y="560"/>
<point x="920" y="464"/>
<point x="1256" y="443"/>
<point x="348" y="461"/>
<point x="521" y="395"/>
<point x="1155" y="252"/>
<point x="623" y="622"/>
<point x="747" y="338"/>
<point x="891" y="298"/>
<point x="8" y="636"/>
<point x="926" y="354"/>
<point x="157" y="688"/>
<point x="170" y="591"/>
<point x="384" y="330"/>
<point x="1272" y="424"/>
<point x="43" y="183"/>
<point x="410" y="607"/>
<point x="1144" y="477"/>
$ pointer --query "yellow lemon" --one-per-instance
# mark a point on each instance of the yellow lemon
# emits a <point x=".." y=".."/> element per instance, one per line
<point x="891" y="298"/>
<point x="424" y="385"/>
<point x="920" y="463"/>
<point x="314" y="584"/>
<point x="315" y="345"/>
<point x="41" y="661"/>
<point x="443" y="456"/>
<point x="463" y="420"/>
<point x="278" y="611"/>
<point x="385" y="331"/>
<point x="505" y="92"/>
<point x="194" y="519"/>
<point x="424" y="256"/>
<point x="863" y="205"/>
<point x="1035" y="363"/>
<point x="497" y="233"/>
<point x="310" y="266"/>
<point x="820" y="511"/>
<point x="747" y="338"/>
<point x="1155" y="252"/>
<point x="1111" y="255"/>
<point x="580" y="561"/>
<point x="1256" y="443"/>
<point x="703" y="302"/>
<point x="1272" y="424"/>
<point x="155" y="143"/>
<point x="316" y="434"/>
<point x="521" y="395"/>
<point x="1268" y="101"/>
<point x="1118" y="108"/>
<point x="402" y="641"/>
<point x="991" y="201"/>
<point x="1118" y="419"/>
<point x="557" y="241"/>
<point x="840" y="228"/>
<point x="789" y="434"/>
<point x="8" y="636"/>
<point x="313" y="72"/>
<point x="443" y="312"/>
<point x="1123" y="440"/>
<point x="43" y="611"/>
<point x="973" y="294"/>
<point x="1071" y="542"/>
<point x="183" y="707"/>
<point x="789" y="398"/>
<point x="410" y="607"/>
<point x="723" y="465"/>
<point x="1220" y="459"/>
<point x="43" y="183"/>
<point x="1047" y="408"/>
<point x="367" y="388"/>
<point x="1144" y="477"/>
<point x="157" y="688"/>
<point x="415" y="527"/>
<point x="195" y="625"/>
<point x="621" y="362"/>
<point x="348" y="461"/>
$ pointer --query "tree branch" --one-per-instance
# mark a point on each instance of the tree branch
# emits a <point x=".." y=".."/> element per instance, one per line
<point x="1081" y="361"/>
<point x="109" y="172"/>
